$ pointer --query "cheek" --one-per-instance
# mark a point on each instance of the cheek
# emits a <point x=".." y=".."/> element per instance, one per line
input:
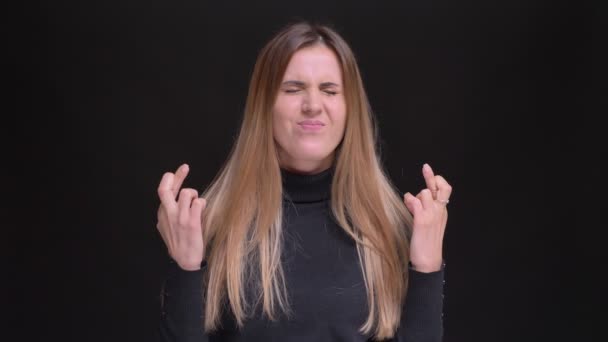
<point x="281" y="119"/>
<point x="340" y="119"/>
<point x="285" y="112"/>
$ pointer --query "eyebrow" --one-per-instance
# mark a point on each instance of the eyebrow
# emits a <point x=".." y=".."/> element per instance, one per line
<point x="302" y="84"/>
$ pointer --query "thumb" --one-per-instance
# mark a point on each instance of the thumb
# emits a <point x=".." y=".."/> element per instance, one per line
<point x="412" y="203"/>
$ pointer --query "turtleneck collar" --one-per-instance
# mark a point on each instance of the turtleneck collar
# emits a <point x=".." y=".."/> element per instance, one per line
<point x="300" y="188"/>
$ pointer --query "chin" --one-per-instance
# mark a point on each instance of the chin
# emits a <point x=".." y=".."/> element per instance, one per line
<point x="310" y="156"/>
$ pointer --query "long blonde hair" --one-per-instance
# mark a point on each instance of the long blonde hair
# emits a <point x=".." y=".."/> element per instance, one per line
<point x="243" y="218"/>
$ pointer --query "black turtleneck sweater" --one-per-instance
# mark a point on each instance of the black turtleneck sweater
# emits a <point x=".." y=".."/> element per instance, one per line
<point x="324" y="283"/>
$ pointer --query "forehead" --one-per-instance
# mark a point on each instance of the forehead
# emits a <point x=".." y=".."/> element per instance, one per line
<point x="314" y="62"/>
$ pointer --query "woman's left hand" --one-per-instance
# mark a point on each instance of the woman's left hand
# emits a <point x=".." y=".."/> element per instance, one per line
<point x="430" y="218"/>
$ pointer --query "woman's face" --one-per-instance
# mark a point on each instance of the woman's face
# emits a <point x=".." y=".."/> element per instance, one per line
<point x="310" y="111"/>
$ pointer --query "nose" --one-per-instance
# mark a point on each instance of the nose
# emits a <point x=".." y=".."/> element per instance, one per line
<point x="311" y="104"/>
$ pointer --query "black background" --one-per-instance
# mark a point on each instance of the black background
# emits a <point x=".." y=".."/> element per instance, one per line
<point x="498" y="96"/>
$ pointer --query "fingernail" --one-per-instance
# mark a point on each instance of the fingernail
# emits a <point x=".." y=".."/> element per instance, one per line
<point x="426" y="167"/>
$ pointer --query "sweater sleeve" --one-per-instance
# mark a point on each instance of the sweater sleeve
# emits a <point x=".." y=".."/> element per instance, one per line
<point x="181" y="317"/>
<point x="422" y="319"/>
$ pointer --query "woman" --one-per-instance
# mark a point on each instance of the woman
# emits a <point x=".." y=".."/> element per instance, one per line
<point x="301" y="236"/>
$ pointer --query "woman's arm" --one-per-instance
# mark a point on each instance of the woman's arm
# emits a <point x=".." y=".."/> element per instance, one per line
<point x="422" y="318"/>
<point x="182" y="314"/>
<point x="180" y="226"/>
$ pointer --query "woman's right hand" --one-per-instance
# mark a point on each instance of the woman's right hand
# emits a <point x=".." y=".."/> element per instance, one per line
<point x="180" y="220"/>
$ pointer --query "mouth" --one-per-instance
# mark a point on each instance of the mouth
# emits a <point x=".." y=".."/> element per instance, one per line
<point x="311" y="125"/>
